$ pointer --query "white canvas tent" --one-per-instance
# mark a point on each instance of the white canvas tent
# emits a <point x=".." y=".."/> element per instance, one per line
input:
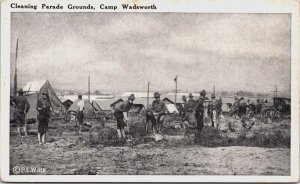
<point x="172" y="109"/>
<point x="32" y="91"/>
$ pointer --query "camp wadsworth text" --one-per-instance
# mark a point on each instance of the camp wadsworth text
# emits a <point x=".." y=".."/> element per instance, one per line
<point x="83" y="6"/>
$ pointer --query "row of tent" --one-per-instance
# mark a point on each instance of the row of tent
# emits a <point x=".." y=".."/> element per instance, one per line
<point x="107" y="106"/>
<point x="33" y="89"/>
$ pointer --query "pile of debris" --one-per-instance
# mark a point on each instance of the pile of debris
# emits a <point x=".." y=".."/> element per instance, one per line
<point x="246" y="132"/>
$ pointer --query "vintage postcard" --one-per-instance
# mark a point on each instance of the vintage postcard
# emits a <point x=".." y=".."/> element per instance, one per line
<point x="145" y="90"/>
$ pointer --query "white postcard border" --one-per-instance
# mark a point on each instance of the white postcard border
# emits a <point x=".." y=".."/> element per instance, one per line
<point x="192" y="6"/>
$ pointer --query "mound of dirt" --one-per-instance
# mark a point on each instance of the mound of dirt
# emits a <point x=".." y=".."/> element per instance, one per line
<point x="103" y="135"/>
<point x="212" y="137"/>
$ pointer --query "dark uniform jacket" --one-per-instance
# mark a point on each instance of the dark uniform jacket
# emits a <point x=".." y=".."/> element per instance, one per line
<point x="124" y="106"/>
<point x="21" y="104"/>
<point x="199" y="107"/>
<point x="159" y="106"/>
<point x="190" y="104"/>
<point x="46" y="108"/>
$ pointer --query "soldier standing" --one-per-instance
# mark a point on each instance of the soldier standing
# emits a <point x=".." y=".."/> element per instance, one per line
<point x="184" y="109"/>
<point x="199" y="109"/>
<point x="219" y="108"/>
<point x="121" y="114"/>
<point x="80" y="114"/>
<point x="191" y="103"/>
<point x="159" y="111"/>
<point x="44" y="109"/>
<point x="22" y="106"/>
<point x="236" y="107"/>
<point x="212" y="109"/>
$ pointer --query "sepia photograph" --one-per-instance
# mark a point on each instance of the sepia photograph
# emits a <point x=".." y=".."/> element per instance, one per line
<point x="157" y="94"/>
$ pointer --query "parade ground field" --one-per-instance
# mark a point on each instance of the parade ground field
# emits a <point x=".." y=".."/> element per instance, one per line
<point x="253" y="149"/>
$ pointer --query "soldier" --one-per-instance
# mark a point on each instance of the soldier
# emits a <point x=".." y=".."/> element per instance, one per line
<point x="242" y="107"/>
<point x="159" y="110"/>
<point x="219" y="108"/>
<point x="184" y="109"/>
<point x="44" y="109"/>
<point x="263" y="110"/>
<point x="121" y="114"/>
<point x="184" y="99"/>
<point x="149" y="118"/>
<point x="189" y="122"/>
<point x="21" y="108"/>
<point x="199" y="109"/>
<point x="191" y="103"/>
<point x="258" y="106"/>
<point x="212" y="110"/>
<point x="236" y="106"/>
<point x="80" y="115"/>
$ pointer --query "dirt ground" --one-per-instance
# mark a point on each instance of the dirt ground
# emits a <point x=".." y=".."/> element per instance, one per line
<point x="232" y="150"/>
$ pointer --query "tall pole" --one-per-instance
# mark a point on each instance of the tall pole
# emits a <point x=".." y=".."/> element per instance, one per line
<point x="89" y="89"/>
<point x="214" y="90"/>
<point x="16" y="75"/>
<point x="176" y="89"/>
<point x="148" y="94"/>
<point x="276" y="91"/>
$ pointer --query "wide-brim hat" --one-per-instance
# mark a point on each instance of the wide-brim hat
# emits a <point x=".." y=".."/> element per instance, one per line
<point x="156" y="94"/>
<point x="131" y="97"/>
<point x="203" y="92"/>
<point x="21" y="91"/>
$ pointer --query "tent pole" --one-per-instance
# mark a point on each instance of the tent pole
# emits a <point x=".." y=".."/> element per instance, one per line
<point x="89" y="89"/>
<point x="175" y="89"/>
<point x="16" y="75"/>
<point x="148" y="94"/>
<point x="214" y="90"/>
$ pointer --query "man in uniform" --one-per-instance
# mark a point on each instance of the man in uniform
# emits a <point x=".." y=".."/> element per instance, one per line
<point x="191" y="103"/>
<point x="159" y="110"/>
<point x="219" y="107"/>
<point x="212" y="110"/>
<point x="236" y="107"/>
<point x="121" y="114"/>
<point x="21" y="108"/>
<point x="189" y="120"/>
<point x="199" y="109"/>
<point x="184" y="109"/>
<point x="262" y="110"/>
<point x="149" y="118"/>
<point x="242" y="107"/>
<point x="80" y="114"/>
<point x="44" y="109"/>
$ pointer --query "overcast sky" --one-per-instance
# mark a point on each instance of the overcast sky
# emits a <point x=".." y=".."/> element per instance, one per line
<point x="123" y="51"/>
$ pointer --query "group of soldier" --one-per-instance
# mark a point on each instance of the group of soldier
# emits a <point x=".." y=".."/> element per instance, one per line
<point x="192" y="113"/>
<point x="242" y="108"/>
<point x="22" y="107"/>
